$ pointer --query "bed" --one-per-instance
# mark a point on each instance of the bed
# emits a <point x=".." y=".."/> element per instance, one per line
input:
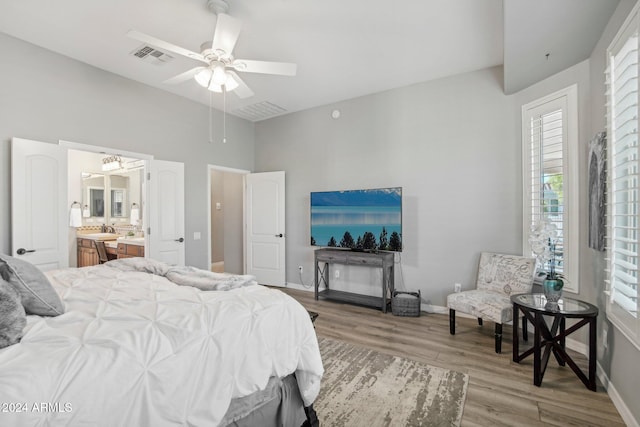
<point x="134" y="347"/>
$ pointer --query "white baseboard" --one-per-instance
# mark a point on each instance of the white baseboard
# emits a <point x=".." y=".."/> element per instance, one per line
<point x="298" y="286"/>
<point x="621" y="406"/>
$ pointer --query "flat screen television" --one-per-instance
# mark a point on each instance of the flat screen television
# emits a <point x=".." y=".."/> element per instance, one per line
<point x="365" y="220"/>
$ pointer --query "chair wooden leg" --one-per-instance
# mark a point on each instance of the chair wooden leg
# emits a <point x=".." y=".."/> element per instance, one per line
<point x="525" y="335"/>
<point x="452" y="321"/>
<point x="499" y="337"/>
<point x="480" y="321"/>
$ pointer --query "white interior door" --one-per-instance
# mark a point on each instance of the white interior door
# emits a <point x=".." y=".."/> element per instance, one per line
<point x="39" y="205"/>
<point x="265" y="236"/>
<point x="166" y="212"/>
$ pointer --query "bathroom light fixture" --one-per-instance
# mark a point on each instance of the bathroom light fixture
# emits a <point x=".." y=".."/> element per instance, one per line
<point x="111" y="163"/>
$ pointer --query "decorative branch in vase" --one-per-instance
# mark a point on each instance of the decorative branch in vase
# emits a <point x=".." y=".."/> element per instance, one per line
<point x="543" y="240"/>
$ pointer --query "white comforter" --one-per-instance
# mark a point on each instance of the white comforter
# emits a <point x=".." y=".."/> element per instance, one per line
<point x="134" y="349"/>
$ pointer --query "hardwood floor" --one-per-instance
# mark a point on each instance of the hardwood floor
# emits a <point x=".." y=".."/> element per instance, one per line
<point x="500" y="392"/>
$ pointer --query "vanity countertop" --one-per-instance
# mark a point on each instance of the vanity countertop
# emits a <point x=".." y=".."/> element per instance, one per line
<point x="99" y="236"/>
<point x="131" y="240"/>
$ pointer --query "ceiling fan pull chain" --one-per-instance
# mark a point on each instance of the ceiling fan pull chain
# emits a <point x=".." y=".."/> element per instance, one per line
<point x="224" y="117"/>
<point x="210" y="120"/>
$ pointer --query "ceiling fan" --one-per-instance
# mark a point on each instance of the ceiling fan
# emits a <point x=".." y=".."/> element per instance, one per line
<point x="220" y="70"/>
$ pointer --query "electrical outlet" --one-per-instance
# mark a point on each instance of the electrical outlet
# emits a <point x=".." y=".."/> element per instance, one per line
<point x="336" y="274"/>
<point x="457" y="287"/>
<point x="300" y="269"/>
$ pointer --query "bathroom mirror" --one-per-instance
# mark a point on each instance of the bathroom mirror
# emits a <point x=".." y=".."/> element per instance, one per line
<point x="107" y="199"/>
<point x="118" y="197"/>
<point x="93" y="195"/>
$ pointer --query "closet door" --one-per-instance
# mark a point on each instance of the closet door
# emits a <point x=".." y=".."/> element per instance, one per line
<point x="39" y="211"/>
<point x="265" y="227"/>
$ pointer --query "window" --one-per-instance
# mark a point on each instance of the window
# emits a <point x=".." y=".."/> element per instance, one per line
<point x="623" y="222"/>
<point x="550" y="151"/>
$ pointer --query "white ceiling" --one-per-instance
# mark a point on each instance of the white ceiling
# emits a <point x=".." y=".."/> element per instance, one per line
<point x="343" y="49"/>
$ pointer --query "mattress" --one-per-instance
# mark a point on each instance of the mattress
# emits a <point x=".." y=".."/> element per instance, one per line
<point x="134" y="348"/>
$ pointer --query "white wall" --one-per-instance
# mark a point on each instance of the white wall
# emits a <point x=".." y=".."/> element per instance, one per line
<point x="449" y="143"/>
<point x="47" y="97"/>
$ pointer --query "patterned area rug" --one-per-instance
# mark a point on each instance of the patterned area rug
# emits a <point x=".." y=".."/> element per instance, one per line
<point x="362" y="387"/>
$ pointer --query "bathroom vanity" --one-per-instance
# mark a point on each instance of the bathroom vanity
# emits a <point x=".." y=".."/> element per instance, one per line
<point x="117" y="247"/>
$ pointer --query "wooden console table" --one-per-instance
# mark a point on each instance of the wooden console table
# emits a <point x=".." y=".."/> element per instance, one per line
<point x="326" y="256"/>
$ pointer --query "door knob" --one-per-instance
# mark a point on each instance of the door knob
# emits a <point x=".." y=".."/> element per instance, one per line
<point x="180" y="240"/>
<point x="279" y="235"/>
<point x="23" y="251"/>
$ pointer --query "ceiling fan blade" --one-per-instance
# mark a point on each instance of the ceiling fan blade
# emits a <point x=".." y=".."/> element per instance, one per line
<point x="243" y="91"/>
<point x="226" y="34"/>
<point x="265" y="67"/>
<point x="145" y="38"/>
<point x="183" y="77"/>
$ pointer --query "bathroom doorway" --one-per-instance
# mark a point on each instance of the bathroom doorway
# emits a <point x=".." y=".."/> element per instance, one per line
<point x="226" y="219"/>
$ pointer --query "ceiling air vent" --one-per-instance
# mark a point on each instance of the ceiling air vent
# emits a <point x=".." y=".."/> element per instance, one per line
<point x="151" y="55"/>
<point x="260" y="111"/>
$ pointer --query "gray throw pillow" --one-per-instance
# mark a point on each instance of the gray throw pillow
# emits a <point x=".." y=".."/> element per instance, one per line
<point x="12" y="315"/>
<point x="36" y="292"/>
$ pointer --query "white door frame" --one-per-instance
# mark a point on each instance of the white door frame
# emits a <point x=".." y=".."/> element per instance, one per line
<point x="211" y="168"/>
<point x="98" y="149"/>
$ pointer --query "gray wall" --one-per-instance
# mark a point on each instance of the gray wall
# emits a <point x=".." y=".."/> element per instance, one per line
<point x="217" y="216"/>
<point x="46" y="97"/>
<point x="227" y="239"/>
<point x="451" y="144"/>
<point x="233" y="222"/>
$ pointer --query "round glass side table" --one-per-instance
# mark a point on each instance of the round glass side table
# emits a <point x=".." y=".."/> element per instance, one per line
<point x="551" y="340"/>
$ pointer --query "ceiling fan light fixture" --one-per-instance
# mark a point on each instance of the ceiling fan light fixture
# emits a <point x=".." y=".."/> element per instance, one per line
<point x="231" y="83"/>
<point x="219" y="76"/>
<point x="203" y="77"/>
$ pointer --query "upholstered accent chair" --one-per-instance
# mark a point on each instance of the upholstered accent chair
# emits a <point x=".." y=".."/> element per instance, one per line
<point x="499" y="277"/>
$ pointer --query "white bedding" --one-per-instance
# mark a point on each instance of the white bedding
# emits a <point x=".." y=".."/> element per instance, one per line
<point x="134" y="349"/>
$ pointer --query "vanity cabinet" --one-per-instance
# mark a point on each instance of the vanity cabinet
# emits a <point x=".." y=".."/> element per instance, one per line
<point x="129" y="250"/>
<point x="87" y="254"/>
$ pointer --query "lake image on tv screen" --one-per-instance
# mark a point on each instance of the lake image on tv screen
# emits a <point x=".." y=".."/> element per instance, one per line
<point x="357" y="219"/>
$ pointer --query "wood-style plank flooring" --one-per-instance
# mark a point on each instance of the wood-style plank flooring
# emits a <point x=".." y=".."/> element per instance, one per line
<point x="500" y="392"/>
